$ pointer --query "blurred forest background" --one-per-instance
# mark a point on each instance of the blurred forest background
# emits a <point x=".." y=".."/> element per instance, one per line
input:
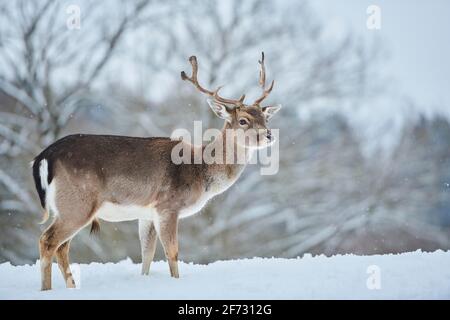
<point x="362" y="169"/>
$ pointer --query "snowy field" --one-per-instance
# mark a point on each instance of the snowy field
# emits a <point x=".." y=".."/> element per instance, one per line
<point x="414" y="275"/>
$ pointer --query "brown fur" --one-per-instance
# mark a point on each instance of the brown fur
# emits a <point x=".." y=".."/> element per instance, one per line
<point x="95" y="227"/>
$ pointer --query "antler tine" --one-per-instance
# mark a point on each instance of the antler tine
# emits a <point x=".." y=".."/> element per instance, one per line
<point x="193" y="78"/>
<point x="265" y="94"/>
<point x="215" y="94"/>
<point x="232" y="101"/>
<point x="262" y="81"/>
<point x="262" y="72"/>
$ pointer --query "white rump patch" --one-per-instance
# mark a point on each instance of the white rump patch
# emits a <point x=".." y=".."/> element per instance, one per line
<point x="43" y="173"/>
<point x="50" y="199"/>
<point x="50" y="189"/>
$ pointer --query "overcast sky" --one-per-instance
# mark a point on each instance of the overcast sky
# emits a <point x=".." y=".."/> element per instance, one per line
<point x="417" y="36"/>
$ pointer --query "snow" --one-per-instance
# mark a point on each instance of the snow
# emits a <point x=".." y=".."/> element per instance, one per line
<point x="415" y="275"/>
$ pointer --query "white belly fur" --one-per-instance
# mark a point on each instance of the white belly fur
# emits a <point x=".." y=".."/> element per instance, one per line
<point x="115" y="213"/>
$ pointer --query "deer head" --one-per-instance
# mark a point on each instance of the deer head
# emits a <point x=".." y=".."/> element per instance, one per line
<point x="250" y="118"/>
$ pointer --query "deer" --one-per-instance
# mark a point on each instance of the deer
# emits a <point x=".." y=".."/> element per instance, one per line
<point x="83" y="178"/>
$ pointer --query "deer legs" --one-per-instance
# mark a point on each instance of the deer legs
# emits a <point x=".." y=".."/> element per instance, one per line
<point x="56" y="239"/>
<point x="147" y="236"/>
<point x="167" y="229"/>
<point x="165" y="226"/>
<point x="62" y="256"/>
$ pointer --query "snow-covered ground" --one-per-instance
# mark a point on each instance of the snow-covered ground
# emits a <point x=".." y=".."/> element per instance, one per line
<point x="414" y="275"/>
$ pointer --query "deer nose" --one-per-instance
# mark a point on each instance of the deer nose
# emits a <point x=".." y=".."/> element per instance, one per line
<point x="269" y="135"/>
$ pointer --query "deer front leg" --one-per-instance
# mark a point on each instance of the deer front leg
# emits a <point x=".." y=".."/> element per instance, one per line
<point x="167" y="229"/>
<point x="147" y="236"/>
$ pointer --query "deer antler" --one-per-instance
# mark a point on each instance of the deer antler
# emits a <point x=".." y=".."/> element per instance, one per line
<point x="215" y="94"/>
<point x="262" y="82"/>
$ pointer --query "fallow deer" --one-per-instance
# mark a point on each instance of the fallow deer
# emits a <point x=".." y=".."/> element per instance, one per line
<point x="82" y="178"/>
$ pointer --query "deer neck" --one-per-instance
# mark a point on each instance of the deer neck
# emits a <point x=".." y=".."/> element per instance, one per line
<point x="235" y="159"/>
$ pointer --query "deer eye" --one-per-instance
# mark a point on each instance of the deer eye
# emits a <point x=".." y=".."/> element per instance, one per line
<point x="242" y="122"/>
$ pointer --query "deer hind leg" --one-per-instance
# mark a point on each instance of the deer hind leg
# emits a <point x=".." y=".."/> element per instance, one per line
<point x="74" y="208"/>
<point x="62" y="256"/>
<point x="53" y="240"/>
<point x="167" y="229"/>
<point x="147" y="236"/>
<point x="49" y="242"/>
<point x="47" y="247"/>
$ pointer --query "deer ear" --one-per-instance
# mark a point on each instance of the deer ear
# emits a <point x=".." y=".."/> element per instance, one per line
<point x="269" y="111"/>
<point x="220" y="109"/>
